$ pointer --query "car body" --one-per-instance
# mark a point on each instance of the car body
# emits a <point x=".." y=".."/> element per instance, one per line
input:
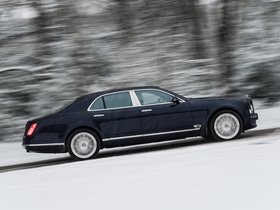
<point x="136" y="115"/>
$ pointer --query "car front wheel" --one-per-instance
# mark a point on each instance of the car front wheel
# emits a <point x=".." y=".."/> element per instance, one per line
<point x="83" y="144"/>
<point x="226" y="125"/>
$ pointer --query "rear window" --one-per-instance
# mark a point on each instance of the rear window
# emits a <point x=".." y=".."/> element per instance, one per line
<point x="98" y="104"/>
<point x="112" y="101"/>
<point x="117" y="100"/>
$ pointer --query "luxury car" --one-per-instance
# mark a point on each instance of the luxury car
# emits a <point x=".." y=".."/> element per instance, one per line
<point x="136" y="115"/>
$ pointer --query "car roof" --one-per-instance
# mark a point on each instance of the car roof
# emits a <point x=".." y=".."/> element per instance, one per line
<point x="96" y="94"/>
<point x="83" y="102"/>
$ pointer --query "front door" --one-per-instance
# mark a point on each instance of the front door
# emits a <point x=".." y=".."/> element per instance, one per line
<point x="160" y="116"/>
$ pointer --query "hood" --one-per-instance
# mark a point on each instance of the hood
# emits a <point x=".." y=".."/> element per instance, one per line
<point x="217" y="98"/>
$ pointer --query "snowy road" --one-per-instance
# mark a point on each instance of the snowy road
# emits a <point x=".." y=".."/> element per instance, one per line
<point x="242" y="174"/>
<point x="24" y="162"/>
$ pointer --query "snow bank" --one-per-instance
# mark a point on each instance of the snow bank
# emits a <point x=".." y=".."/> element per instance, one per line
<point x="268" y="117"/>
<point x="14" y="153"/>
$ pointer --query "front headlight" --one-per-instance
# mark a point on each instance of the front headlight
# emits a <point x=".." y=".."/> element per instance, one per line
<point x="251" y="108"/>
<point x="250" y="104"/>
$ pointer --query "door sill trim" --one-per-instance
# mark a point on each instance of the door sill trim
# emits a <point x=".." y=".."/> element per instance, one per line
<point x="150" y="134"/>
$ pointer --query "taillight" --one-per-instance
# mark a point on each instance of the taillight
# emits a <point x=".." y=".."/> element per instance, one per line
<point x="31" y="129"/>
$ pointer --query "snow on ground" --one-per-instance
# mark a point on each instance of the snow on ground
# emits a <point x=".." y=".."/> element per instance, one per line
<point x="241" y="174"/>
<point x="14" y="153"/>
<point x="268" y="117"/>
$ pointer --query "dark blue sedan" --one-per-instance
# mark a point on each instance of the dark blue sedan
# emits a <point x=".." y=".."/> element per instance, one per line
<point x="138" y="115"/>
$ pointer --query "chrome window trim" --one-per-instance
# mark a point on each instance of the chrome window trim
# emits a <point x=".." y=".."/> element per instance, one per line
<point x="150" y="134"/>
<point x="97" y="110"/>
<point x="134" y="99"/>
<point x="106" y="94"/>
<point x="156" y="104"/>
<point x="180" y="99"/>
<point x="43" y="145"/>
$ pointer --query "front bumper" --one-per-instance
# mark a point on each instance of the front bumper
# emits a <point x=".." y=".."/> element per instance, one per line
<point x="253" y="119"/>
<point x="254" y="116"/>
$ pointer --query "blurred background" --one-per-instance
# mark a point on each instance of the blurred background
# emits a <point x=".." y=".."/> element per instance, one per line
<point x="53" y="51"/>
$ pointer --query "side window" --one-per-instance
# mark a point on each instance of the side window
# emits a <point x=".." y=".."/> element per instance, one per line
<point x="98" y="104"/>
<point x="147" y="97"/>
<point x="117" y="100"/>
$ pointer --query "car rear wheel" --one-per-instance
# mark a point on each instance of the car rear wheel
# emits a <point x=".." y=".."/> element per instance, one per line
<point x="83" y="144"/>
<point x="226" y="125"/>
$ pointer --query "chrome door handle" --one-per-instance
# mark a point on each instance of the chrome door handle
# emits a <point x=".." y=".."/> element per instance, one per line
<point x="146" y="110"/>
<point x="98" y="115"/>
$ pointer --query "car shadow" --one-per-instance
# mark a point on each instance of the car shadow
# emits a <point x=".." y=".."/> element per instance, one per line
<point x="36" y="164"/>
<point x="174" y="144"/>
<point x="151" y="147"/>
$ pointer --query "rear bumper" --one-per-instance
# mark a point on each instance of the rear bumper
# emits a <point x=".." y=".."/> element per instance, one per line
<point x="43" y="145"/>
<point x="45" y="148"/>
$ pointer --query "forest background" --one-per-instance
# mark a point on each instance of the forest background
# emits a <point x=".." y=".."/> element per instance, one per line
<point x="53" y="51"/>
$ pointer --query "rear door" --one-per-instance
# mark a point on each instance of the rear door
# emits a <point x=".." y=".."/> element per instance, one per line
<point x="116" y="116"/>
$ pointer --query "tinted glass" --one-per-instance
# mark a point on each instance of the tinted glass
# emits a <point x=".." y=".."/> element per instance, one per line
<point x="98" y="104"/>
<point x="117" y="100"/>
<point x="147" y="97"/>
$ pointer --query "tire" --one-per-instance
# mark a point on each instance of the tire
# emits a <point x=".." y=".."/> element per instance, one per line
<point x="83" y="144"/>
<point x="225" y="125"/>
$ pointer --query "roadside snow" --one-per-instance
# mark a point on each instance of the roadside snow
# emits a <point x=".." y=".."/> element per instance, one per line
<point x="268" y="117"/>
<point x="241" y="175"/>
<point x="14" y="153"/>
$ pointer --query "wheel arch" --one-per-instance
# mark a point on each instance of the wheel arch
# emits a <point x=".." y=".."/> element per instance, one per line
<point x="79" y="128"/>
<point x="214" y="112"/>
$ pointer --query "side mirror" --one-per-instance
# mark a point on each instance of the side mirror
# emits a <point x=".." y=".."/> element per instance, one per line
<point x="175" y="100"/>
